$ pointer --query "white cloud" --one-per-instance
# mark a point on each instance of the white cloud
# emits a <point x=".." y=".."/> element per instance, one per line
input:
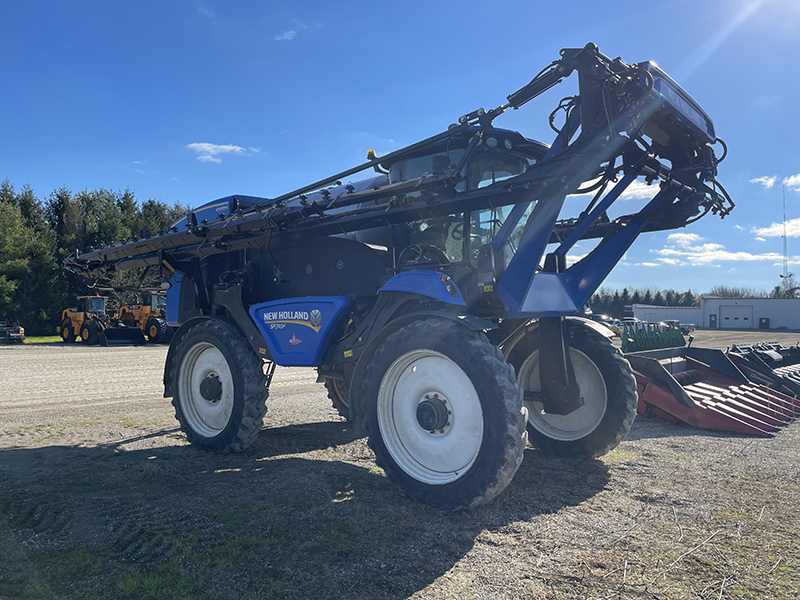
<point x="776" y="229"/>
<point x="639" y="190"/>
<point x="688" y="251"/>
<point x="207" y="11"/>
<point x="670" y="261"/>
<point x="647" y="264"/>
<point x="760" y="239"/>
<point x="211" y="152"/>
<point x="793" y="182"/>
<point x="738" y="228"/>
<point x="286" y="35"/>
<point x="684" y="239"/>
<point x="767" y="182"/>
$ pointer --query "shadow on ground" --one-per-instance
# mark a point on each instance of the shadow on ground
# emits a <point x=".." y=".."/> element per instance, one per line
<point x="655" y="427"/>
<point x="304" y="513"/>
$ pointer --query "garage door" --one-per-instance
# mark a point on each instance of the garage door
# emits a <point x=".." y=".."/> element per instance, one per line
<point x="736" y="317"/>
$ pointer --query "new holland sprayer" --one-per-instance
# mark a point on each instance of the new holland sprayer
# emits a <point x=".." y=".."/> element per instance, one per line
<point x="435" y="297"/>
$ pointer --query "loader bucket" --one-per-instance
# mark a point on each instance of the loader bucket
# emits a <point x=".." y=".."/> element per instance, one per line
<point x="703" y="388"/>
<point x="122" y="336"/>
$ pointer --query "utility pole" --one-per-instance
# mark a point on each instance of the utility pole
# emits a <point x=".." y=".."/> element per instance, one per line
<point x="787" y="285"/>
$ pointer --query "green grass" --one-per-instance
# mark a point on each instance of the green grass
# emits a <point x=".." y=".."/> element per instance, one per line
<point x="41" y="339"/>
<point x="266" y="548"/>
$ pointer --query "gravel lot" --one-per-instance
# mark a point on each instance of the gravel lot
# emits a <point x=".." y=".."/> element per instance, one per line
<point x="102" y="497"/>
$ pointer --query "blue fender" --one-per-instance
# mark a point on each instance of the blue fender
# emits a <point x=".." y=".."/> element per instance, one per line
<point x="433" y="284"/>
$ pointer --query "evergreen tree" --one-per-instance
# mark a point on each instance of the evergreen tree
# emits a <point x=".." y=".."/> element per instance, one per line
<point x="13" y="266"/>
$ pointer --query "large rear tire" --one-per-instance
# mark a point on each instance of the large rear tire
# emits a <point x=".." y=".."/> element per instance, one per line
<point x="444" y="414"/>
<point x="339" y="389"/>
<point x="219" y="389"/>
<point x="607" y="386"/>
<point x="156" y="330"/>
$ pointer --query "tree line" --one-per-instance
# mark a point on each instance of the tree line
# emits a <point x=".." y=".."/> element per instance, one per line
<point x="612" y="302"/>
<point x="36" y="235"/>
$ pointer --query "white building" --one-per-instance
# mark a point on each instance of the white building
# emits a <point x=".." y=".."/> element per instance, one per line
<point x="729" y="313"/>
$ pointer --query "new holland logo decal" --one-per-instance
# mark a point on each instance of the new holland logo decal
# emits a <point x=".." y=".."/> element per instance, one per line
<point x="311" y="319"/>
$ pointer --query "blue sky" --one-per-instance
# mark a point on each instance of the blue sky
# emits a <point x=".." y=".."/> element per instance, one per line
<point x="191" y="100"/>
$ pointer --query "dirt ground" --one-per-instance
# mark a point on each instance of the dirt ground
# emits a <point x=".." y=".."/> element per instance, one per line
<point x="102" y="497"/>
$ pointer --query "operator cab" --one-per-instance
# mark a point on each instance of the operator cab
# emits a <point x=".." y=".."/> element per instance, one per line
<point x="92" y="304"/>
<point x="157" y="302"/>
<point x="461" y="244"/>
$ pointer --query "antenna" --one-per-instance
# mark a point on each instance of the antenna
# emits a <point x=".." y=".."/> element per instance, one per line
<point x="785" y="251"/>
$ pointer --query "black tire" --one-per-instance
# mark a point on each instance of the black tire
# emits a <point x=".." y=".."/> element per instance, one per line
<point x="89" y="333"/>
<point x="67" y="332"/>
<point x="230" y="420"/>
<point x="607" y="386"/>
<point x="339" y="389"/>
<point x="156" y="330"/>
<point x="462" y="378"/>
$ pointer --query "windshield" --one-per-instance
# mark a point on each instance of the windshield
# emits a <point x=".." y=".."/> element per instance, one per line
<point x="414" y="168"/>
<point x="96" y="305"/>
<point x="490" y="167"/>
<point x="485" y="224"/>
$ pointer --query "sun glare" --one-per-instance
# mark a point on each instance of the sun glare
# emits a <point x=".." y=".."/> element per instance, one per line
<point x="748" y="11"/>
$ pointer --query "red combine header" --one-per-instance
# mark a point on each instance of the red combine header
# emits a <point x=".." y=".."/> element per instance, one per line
<point x="705" y="388"/>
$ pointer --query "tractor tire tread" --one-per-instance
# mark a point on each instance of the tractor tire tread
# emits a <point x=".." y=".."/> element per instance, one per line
<point x="477" y="349"/>
<point x="162" y="330"/>
<point x="335" y="396"/>
<point x="255" y="392"/>
<point x="619" y="370"/>
<point x="621" y="398"/>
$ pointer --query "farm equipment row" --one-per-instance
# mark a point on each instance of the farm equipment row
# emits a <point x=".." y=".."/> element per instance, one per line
<point x="436" y="298"/>
<point x="128" y="327"/>
<point x="751" y="389"/>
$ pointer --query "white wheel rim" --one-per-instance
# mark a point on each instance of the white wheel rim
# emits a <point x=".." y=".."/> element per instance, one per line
<point x="207" y="418"/>
<point x="433" y="458"/>
<point x="577" y="424"/>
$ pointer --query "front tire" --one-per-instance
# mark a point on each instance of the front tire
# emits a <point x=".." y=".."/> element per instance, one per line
<point x="607" y="386"/>
<point x="67" y="332"/>
<point x="444" y="414"/>
<point x="89" y="333"/>
<point x="220" y="389"/>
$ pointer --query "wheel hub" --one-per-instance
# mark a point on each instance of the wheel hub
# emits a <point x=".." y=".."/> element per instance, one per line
<point x="211" y="388"/>
<point x="432" y="413"/>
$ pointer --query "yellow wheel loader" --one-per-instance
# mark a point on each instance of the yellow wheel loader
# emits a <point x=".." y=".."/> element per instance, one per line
<point x="150" y="317"/>
<point x="89" y="321"/>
